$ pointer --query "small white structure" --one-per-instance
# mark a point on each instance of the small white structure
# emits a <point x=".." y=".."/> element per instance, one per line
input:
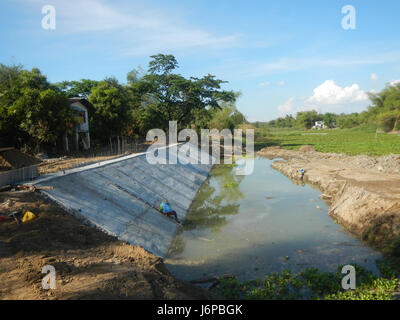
<point x="81" y="131"/>
<point x="319" y="125"/>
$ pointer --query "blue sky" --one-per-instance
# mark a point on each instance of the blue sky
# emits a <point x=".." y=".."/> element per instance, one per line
<point x="284" y="56"/>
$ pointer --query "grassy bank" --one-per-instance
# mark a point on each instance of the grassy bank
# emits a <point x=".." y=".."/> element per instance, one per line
<point x="362" y="140"/>
<point x="313" y="284"/>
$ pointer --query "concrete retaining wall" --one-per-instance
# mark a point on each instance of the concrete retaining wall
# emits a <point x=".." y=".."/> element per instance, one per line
<point x="120" y="196"/>
<point x="16" y="176"/>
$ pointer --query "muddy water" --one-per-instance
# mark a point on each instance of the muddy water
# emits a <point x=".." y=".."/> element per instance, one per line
<point x="257" y="224"/>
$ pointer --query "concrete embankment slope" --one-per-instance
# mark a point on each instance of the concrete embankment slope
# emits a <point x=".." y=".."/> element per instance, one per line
<point x="120" y="196"/>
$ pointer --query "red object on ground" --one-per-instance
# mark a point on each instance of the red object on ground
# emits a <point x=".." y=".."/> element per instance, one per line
<point x="2" y="218"/>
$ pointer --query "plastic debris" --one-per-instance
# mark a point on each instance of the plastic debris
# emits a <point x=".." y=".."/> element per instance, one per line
<point x="13" y="215"/>
<point x="29" y="216"/>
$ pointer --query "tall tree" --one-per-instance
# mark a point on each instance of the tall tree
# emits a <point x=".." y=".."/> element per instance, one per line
<point x="173" y="97"/>
<point x="111" y="115"/>
<point x="307" y="119"/>
<point x="82" y="88"/>
<point x="33" y="112"/>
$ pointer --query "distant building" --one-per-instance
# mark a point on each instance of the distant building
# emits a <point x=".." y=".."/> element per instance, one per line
<point x="80" y="137"/>
<point x="319" y="125"/>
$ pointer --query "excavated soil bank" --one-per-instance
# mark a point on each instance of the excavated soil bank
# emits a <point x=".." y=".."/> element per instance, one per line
<point x="89" y="264"/>
<point x="363" y="192"/>
<point x="13" y="159"/>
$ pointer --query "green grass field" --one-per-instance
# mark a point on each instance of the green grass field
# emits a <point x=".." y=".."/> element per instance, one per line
<point x="349" y="141"/>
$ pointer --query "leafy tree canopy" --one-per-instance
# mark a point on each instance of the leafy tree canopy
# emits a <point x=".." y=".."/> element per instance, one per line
<point x="82" y="88"/>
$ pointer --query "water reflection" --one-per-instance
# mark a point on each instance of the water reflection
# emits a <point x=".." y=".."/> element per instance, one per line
<point x="261" y="223"/>
<point x="217" y="198"/>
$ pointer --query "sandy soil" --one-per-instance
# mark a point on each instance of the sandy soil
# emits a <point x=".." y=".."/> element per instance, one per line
<point x="68" y="163"/>
<point x="15" y="159"/>
<point x="89" y="264"/>
<point x="363" y="192"/>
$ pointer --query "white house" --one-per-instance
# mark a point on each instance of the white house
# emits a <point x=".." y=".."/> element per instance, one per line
<point x="81" y="133"/>
<point x="319" y="125"/>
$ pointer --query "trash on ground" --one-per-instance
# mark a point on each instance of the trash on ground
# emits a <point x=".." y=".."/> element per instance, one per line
<point x="8" y="204"/>
<point x="25" y="188"/>
<point x="14" y="216"/>
<point x="29" y="216"/>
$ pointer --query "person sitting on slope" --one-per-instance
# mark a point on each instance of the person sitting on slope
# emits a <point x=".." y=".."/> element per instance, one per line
<point x="165" y="209"/>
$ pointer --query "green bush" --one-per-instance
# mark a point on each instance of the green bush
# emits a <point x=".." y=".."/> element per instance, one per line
<point x="389" y="121"/>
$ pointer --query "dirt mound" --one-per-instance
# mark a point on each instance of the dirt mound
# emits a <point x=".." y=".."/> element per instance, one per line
<point x="305" y="149"/>
<point x="89" y="264"/>
<point x="14" y="159"/>
<point x="272" y="150"/>
<point x="390" y="163"/>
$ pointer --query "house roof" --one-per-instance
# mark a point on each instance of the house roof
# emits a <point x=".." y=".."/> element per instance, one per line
<point x="84" y="102"/>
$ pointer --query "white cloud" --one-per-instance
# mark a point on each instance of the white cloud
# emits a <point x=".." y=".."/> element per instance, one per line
<point x="139" y="28"/>
<point x="331" y="94"/>
<point x="393" y="83"/>
<point x="267" y="83"/>
<point x="374" y="76"/>
<point x="286" y="108"/>
<point x="309" y="108"/>
<point x="288" y="64"/>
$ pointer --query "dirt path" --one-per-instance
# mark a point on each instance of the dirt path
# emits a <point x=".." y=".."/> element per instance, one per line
<point x="68" y="163"/>
<point x="363" y="192"/>
<point x="89" y="264"/>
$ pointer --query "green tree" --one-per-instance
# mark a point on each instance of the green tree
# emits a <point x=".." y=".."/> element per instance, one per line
<point x="135" y="75"/>
<point x="287" y="122"/>
<point x="307" y="119"/>
<point x="329" y="119"/>
<point x="228" y="117"/>
<point x="33" y="112"/>
<point x="111" y="116"/>
<point x="386" y="107"/>
<point x="10" y="89"/>
<point x="345" y="121"/>
<point x="162" y="64"/>
<point x="43" y="114"/>
<point x="173" y="97"/>
<point x="389" y="120"/>
<point x="82" y="88"/>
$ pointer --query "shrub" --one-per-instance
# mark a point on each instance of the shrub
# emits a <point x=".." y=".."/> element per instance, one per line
<point x="389" y="121"/>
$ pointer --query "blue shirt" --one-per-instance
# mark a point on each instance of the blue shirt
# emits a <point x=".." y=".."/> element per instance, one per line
<point x="165" y="207"/>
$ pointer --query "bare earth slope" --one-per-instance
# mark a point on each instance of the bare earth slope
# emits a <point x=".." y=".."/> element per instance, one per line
<point x="363" y="192"/>
<point x="89" y="264"/>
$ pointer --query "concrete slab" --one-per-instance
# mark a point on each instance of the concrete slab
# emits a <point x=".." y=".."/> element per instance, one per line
<point x="120" y="196"/>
